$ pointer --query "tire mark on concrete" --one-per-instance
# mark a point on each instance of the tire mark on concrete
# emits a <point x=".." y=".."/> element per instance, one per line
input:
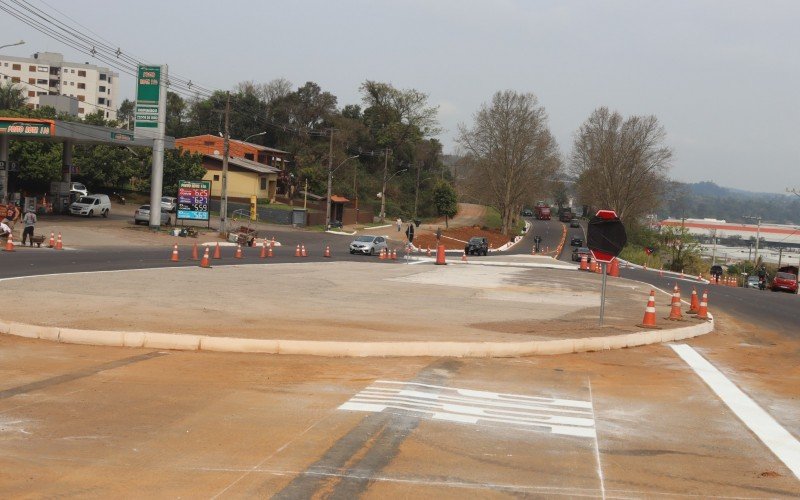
<point x="69" y="377"/>
<point x="382" y="433"/>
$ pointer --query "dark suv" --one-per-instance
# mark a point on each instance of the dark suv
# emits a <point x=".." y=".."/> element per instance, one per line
<point x="477" y="245"/>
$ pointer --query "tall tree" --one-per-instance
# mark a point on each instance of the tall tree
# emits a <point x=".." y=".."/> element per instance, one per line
<point x="620" y="163"/>
<point x="510" y="153"/>
<point x="445" y="200"/>
<point x="125" y="113"/>
<point x="12" y="96"/>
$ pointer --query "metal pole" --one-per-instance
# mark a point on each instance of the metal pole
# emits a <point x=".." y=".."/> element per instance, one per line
<point x="355" y="188"/>
<point x="383" y="190"/>
<point x="226" y="145"/>
<point x="603" y="267"/>
<point x="416" y="194"/>
<point x="156" y="183"/>
<point x="4" y="172"/>
<point x="330" y="181"/>
<point x="758" y="237"/>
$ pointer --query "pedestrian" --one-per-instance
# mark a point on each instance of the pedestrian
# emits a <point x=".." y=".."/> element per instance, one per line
<point x="438" y="234"/>
<point x="4" y="230"/>
<point x="399" y="223"/>
<point x="11" y="215"/>
<point x="29" y="221"/>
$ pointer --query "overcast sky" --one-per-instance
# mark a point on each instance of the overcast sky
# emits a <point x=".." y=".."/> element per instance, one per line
<point x="723" y="77"/>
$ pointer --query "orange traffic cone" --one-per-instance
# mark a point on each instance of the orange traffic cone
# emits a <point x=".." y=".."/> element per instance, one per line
<point x="9" y="244"/>
<point x="382" y="254"/>
<point x="194" y="253"/>
<point x="269" y="252"/>
<point x="394" y="254"/>
<point x="52" y="240"/>
<point x="327" y="251"/>
<point x="584" y="263"/>
<point x="613" y="269"/>
<point x="297" y="251"/>
<point x="694" y="304"/>
<point x="217" y="252"/>
<point x="649" y="320"/>
<point x="533" y="250"/>
<point x="429" y="251"/>
<point x="661" y="272"/>
<point x="682" y="276"/>
<point x="238" y="254"/>
<point x="464" y="257"/>
<point x="272" y="243"/>
<point x="599" y="268"/>
<point x="702" y="313"/>
<point x="675" y="310"/>
<point x="593" y="266"/>
<point x="174" y="257"/>
<point x="263" y="254"/>
<point x="303" y="251"/>
<point x="440" y="258"/>
<point x="205" y="262"/>
<point x="59" y="244"/>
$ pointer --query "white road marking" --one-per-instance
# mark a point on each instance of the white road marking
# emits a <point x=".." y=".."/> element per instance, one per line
<point x="782" y="443"/>
<point x="597" y="446"/>
<point x="465" y="406"/>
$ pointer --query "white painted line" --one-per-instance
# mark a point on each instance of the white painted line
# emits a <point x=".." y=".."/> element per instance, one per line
<point x="782" y="443"/>
<point x="597" y="446"/>
<point x="465" y="406"/>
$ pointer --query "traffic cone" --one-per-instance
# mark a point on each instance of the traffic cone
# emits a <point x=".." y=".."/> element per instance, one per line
<point x="675" y="310"/>
<point x="194" y="252"/>
<point x="303" y="251"/>
<point x="599" y="268"/>
<point x="59" y="243"/>
<point x="272" y="243"/>
<point x="52" y="240"/>
<point x="9" y="244"/>
<point x="702" y="313"/>
<point x="593" y="266"/>
<point x="297" y="251"/>
<point x="327" y="251"/>
<point x="394" y="254"/>
<point x="613" y="269"/>
<point x="269" y="252"/>
<point x="661" y="272"/>
<point x="533" y="250"/>
<point x="382" y="254"/>
<point x="174" y="257"/>
<point x="440" y="257"/>
<point x="694" y="305"/>
<point x="263" y="254"/>
<point x="464" y="257"/>
<point x="584" y="263"/>
<point x="429" y="251"/>
<point x="238" y="254"/>
<point x="649" y="320"/>
<point x="205" y="262"/>
<point x="682" y="276"/>
<point x="217" y="252"/>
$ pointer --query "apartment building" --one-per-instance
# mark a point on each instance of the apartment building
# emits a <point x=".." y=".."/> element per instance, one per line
<point x="46" y="73"/>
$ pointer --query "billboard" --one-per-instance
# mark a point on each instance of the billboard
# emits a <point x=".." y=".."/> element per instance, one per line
<point x="193" y="198"/>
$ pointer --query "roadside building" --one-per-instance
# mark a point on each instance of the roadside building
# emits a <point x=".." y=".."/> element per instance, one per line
<point x="253" y="169"/>
<point x="44" y="74"/>
<point x="708" y="228"/>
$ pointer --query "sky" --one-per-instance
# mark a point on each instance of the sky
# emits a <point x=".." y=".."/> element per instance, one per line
<point x="722" y="77"/>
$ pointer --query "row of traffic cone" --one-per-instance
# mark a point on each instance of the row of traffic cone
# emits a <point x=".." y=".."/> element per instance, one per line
<point x="699" y="308"/>
<point x="386" y="254"/>
<point x="266" y="252"/>
<point x="55" y="244"/>
<point x="726" y="281"/>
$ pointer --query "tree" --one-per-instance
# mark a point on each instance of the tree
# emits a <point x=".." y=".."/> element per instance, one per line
<point x="12" y="96"/>
<point x="445" y="200"/>
<point x="560" y="194"/>
<point x="125" y="113"/>
<point x="510" y="153"/>
<point x="620" y="163"/>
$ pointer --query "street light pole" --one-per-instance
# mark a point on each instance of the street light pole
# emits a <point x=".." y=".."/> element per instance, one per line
<point x="21" y="42"/>
<point x="226" y="147"/>
<point x="385" y="180"/>
<point x="253" y="135"/>
<point x="758" y="234"/>
<point x="330" y="184"/>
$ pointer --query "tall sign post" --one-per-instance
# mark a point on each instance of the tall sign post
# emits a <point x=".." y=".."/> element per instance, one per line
<point x="606" y="238"/>
<point x="150" y="123"/>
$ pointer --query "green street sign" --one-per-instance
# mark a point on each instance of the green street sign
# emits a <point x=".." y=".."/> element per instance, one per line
<point x="148" y="86"/>
<point x="149" y="101"/>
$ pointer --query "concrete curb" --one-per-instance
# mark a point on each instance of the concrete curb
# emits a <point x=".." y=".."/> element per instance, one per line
<point x="186" y="342"/>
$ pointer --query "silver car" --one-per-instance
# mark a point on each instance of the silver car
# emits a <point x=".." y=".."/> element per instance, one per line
<point x="368" y="245"/>
<point x="168" y="204"/>
<point x="142" y="216"/>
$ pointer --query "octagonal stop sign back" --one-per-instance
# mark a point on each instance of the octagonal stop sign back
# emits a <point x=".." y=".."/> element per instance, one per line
<point x="605" y="236"/>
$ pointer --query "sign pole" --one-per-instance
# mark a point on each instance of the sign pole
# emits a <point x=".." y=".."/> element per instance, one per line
<point x="150" y="123"/>
<point x="604" y="268"/>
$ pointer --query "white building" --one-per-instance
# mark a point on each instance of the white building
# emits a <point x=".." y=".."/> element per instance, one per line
<point x="770" y="233"/>
<point x="46" y="73"/>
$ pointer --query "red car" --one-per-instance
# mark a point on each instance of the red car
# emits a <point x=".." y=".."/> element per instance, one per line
<point x="785" y="281"/>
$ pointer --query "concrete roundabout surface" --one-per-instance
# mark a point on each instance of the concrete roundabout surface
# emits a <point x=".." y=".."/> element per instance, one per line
<point x="504" y="308"/>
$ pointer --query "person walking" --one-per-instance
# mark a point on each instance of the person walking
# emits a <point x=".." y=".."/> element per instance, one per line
<point x="29" y="221"/>
<point x="399" y="223"/>
<point x="11" y="216"/>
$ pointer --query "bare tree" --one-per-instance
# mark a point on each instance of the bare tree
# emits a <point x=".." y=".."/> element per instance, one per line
<point x="510" y="152"/>
<point x="620" y="163"/>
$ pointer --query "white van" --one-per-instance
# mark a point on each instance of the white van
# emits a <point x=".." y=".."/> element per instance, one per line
<point x="95" y="204"/>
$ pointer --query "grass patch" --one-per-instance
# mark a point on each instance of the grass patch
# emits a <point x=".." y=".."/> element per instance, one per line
<point x="492" y="220"/>
<point x="276" y="206"/>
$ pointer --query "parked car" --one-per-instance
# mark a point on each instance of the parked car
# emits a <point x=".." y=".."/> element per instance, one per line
<point x="574" y="223"/>
<point x="477" y="245"/>
<point x="579" y="252"/>
<point x="169" y="204"/>
<point x="96" y="204"/>
<point x="752" y="282"/>
<point x="576" y="242"/>
<point x="368" y="245"/>
<point x="785" y="281"/>
<point x="78" y="189"/>
<point x="142" y="216"/>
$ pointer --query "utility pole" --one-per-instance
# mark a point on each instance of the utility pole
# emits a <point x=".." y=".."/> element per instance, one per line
<point x="226" y="145"/>
<point x="385" y="180"/>
<point x="330" y="181"/>
<point x="355" y="187"/>
<point x="758" y="235"/>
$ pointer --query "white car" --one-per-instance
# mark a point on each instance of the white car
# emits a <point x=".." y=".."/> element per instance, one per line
<point x="142" y="216"/>
<point x="368" y="245"/>
<point x="169" y="204"/>
<point x="96" y="204"/>
<point x="78" y="189"/>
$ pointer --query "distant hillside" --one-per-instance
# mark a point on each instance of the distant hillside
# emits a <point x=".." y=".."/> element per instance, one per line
<point x="708" y="200"/>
